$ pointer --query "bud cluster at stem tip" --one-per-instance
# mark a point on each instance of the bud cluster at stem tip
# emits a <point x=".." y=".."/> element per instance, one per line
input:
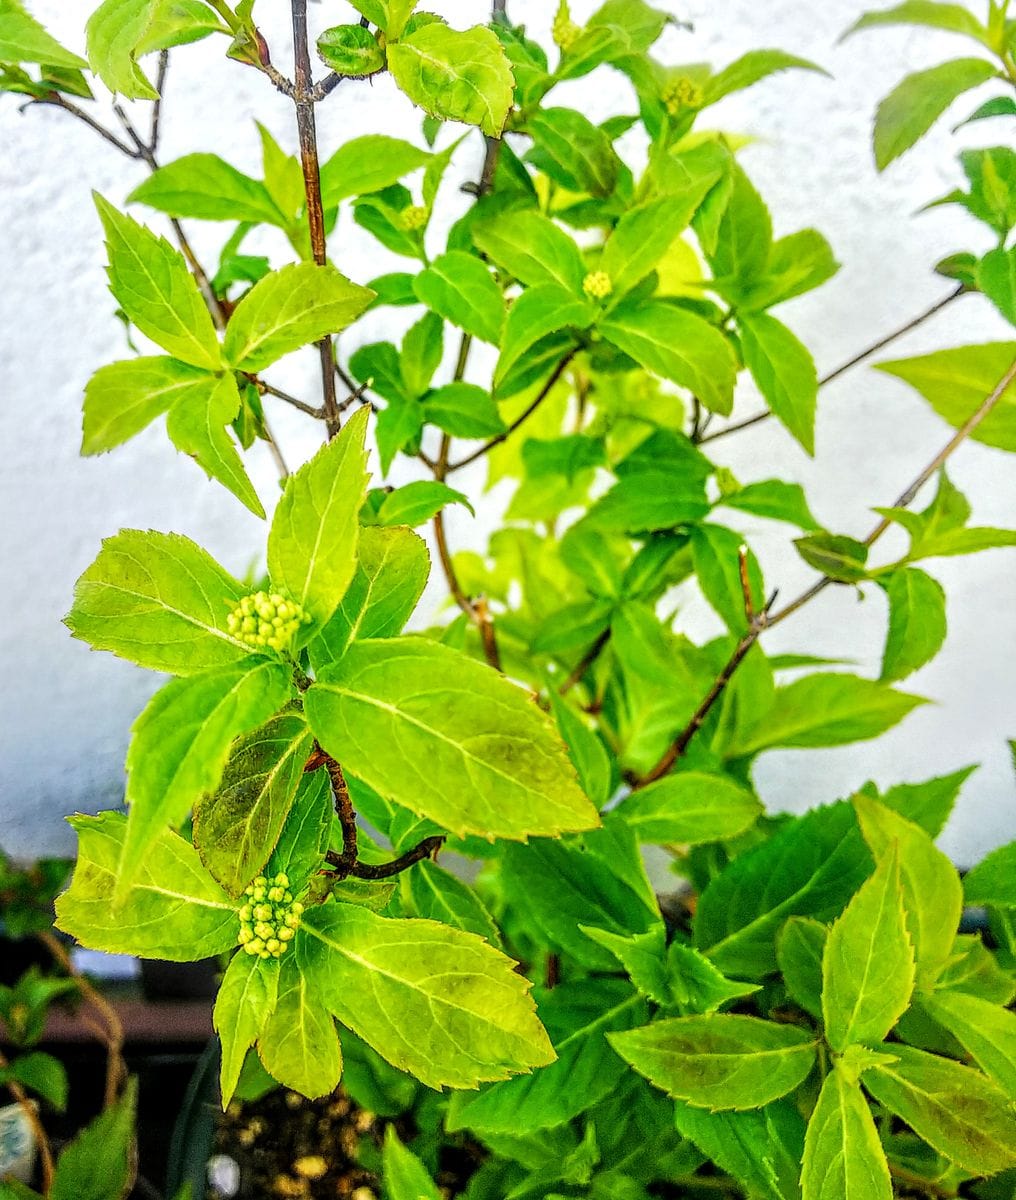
<point x="682" y="93"/>
<point x="415" y="217"/>
<point x="564" y="31"/>
<point x="266" y="620"/>
<point x="269" y="917"/>
<point x="597" y="285"/>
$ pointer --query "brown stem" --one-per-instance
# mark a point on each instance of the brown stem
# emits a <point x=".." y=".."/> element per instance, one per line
<point x="874" y="348"/>
<point x="270" y="390"/>
<point x="32" y="1116"/>
<point x="59" y="101"/>
<point x="303" y="99"/>
<point x="344" y="862"/>
<point x="427" y="847"/>
<point x="326" y="87"/>
<point x="160" y="83"/>
<point x="583" y="665"/>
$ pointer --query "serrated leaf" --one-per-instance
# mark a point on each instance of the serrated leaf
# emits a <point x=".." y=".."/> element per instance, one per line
<point x="696" y="986"/>
<point x="101" y="1162"/>
<point x="437" y="895"/>
<point x="246" y="999"/>
<point x="843" y="1157"/>
<point x="415" y="503"/>
<point x="800" y="949"/>
<point x="298" y="1044"/>
<point x="928" y="804"/>
<point x="156" y="290"/>
<point x="158" y="600"/>
<point x="953" y="1108"/>
<point x="207" y="187"/>
<point x="292" y="307"/>
<point x="112" y="36"/>
<point x="455" y="75"/>
<point x="761" y="1150"/>
<point x="917" y="622"/>
<point x="752" y="67"/>
<point x="985" y="1030"/>
<point x="532" y="249"/>
<point x="122" y="398"/>
<point x="720" y="1061"/>
<point x="178" y="23"/>
<point x="676" y="345"/>
<point x="576" y="153"/>
<point x="914" y="105"/>
<point x="475" y="753"/>
<point x="539" y="311"/>
<point x="643" y="956"/>
<point x="24" y="40"/>
<point x="350" y="50"/>
<point x="388" y="981"/>
<point x="368" y="164"/>
<point x="460" y="288"/>
<point x="993" y="881"/>
<point x="180" y="745"/>
<point x="690" y="807"/>
<point x="175" y="910"/>
<point x="868" y="962"/>
<point x="784" y="371"/>
<point x="237" y="826"/>
<point x="315" y="530"/>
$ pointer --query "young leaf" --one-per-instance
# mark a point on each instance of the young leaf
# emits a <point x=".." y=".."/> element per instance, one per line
<point x="415" y="503"/>
<point x="457" y="76"/>
<point x="437" y="895"/>
<point x="460" y="288"/>
<point x="532" y="249"/>
<point x="23" y="40"/>
<point x="784" y="371"/>
<point x="368" y="164"/>
<point x="351" y="50"/>
<point x="392" y="566"/>
<point x="843" y="1157"/>
<point x="298" y="1044"/>
<point x="841" y="558"/>
<point x="643" y="236"/>
<point x="750" y="68"/>
<point x="676" y="345"/>
<point x="720" y="1061"/>
<point x="389" y="15"/>
<point x="868" y="962"/>
<point x="993" y="881"/>
<point x="476" y="755"/>
<point x="996" y="276"/>
<point x="122" y="398"/>
<point x="690" y="807"/>
<point x="175" y="910"/>
<point x="955" y="1109"/>
<point x="696" y="986"/>
<point x="207" y="187"/>
<point x="985" y="1030"/>
<point x="933" y="14"/>
<point x="156" y="290"/>
<point x="775" y="499"/>
<point x="40" y="1073"/>
<point x="159" y="601"/>
<point x="762" y="1150"/>
<point x="290" y="308"/>
<point x="740" y="249"/>
<point x="315" y="530"/>
<point x="538" y="312"/>
<point x="237" y="827"/>
<point x="388" y="981"/>
<point x="800" y="949"/>
<point x="914" y="105"/>
<point x="573" y="151"/>
<point x="928" y="804"/>
<point x="405" y="1176"/>
<point x="917" y="622"/>
<point x="112" y="35"/>
<point x="463" y="410"/>
<point x="643" y="956"/>
<point x="101" y="1162"/>
<point x="180" y="745"/>
<point x="247" y="997"/>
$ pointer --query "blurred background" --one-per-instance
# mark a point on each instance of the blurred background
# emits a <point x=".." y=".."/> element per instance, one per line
<point x="66" y="711"/>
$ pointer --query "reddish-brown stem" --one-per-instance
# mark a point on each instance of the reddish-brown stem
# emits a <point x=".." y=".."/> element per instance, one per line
<point x="425" y="849"/>
<point x="32" y="1117"/>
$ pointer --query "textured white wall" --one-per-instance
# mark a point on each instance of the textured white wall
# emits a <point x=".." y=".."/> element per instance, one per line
<point x="66" y="711"/>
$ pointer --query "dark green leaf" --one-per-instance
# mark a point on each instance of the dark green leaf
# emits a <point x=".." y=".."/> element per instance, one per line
<point x="799" y="951"/>
<point x="101" y="1162"/>
<point x="762" y="1150"/>
<point x="350" y="50"/>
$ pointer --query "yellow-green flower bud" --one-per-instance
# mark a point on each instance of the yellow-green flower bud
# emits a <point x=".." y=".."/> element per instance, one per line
<point x="414" y="218"/>
<point x="682" y="93"/>
<point x="597" y="285"/>
<point x="262" y="620"/>
<point x="564" y="30"/>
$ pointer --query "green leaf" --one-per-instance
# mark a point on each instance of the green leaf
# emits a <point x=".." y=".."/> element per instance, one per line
<point x="644" y="958"/>
<point x="350" y="50"/>
<point x="391" y="572"/>
<point x="953" y="18"/>
<point x="999" y="106"/>
<point x="985" y="1030"/>
<point x="586" y="751"/>
<point x="744" y="235"/>
<point x="661" y="484"/>
<point x="292" y="307"/>
<point x="178" y="23"/>
<point x="196" y="426"/>
<point x="437" y="895"/>
<point x="475" y="753"/>
<point x="157" y="292"/>
<point x="101" y="1163"/>
<point x="460" y="288"/>
<point x="112" y="35"/>
<point x="405" y="1176"/>
<point x="914" y="105"/>
<point x="716" y="553"/>
<point x="157" y="600"/>
<point x="368" y="164"/>
<point x="538" y="312"/>
<point x="415" y="503"/>
<point x="953" y="1108"/>
<point x="298" y="1044"/>
<point x="917" y="622"/>
<point x="207" y="187"/>
<point x="389" y="15"/>
<point x="825" y="710"/>
<point x="175" y="910"/>
<point x="996" y="277"/>
<point x="928" y="804"/>
<point x="23" y="40"/>
<point x="775" y="499"/>
<point x="304" y="840"/>
<point x="180" y="745"/>
<point x="422" y="351"/>
<point x="644" y="235"/>
<point x="837" y="557"/>
<point x="457" y="76"/>
<point x="690" y="807"/>
<point x="247" y="997"/>
<point x="388" y="980"/>
<point x="676" y="345"/>
<point x="761" y="1150"/>
<point x="577" y="1016"/>
<point x="573" y="151"/>
<point x="122" y="398"/>
<point x="993" y="881"/>
<point x="800" y="948"/>
<point x="696" y="986"/>
<point x="932" y="893"/>
<point x="784" y="371"/>
<point x="868" y="962"/>
<point x="237" y="827"/>
<point x="315" y="530"/>
<point x="812" y="868"/>
<point x="797" y="264"/>
<point x="40" y="1073"/>
<point x="752" y="67"/>
<point x="843" y="1157"/>
<point x="532" y="249"/>
<point x="720" y="1061"/>
<point x="463" y="410"/>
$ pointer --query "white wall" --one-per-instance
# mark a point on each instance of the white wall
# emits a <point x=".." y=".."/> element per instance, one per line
<point x="66" y="711"/>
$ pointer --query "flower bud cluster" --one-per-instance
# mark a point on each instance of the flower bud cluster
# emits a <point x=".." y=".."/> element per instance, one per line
<point x="597" y="285"/>
<point x="414" y="218"/>
<point x="266" y="619"/>
<point x="564" y="30"/>
<point x="681" y="94"/>
<point x="269" y="917"/>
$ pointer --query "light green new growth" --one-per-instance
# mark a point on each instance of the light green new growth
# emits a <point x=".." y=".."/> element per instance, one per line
<point x="269" y="917"/>
<point x="597" y="285"/>
<point x="264" y="619"/>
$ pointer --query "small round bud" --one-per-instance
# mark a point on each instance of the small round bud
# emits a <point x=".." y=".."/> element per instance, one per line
<point x="255" y="946"/>
<point x="414" y="218"/>
<point x="245" y="935"/>
<point x="296" y="909"/>
<point x="273" y="944"/>
<point x="597" y="285"/>
<point x="681" y="94"/>
<point x="282" y="880"/>
<point x="245" y="913"/>
<point x="286" y="934"/>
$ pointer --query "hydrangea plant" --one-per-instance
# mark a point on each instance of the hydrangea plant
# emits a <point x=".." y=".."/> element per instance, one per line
<point x="805" y="1016"/>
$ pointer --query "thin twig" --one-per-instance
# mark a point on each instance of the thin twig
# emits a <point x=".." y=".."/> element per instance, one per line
<point x="274" y="450"/>
<point x="32" y="1116"/>
<point x="874" y="348"/>
<point x="270" y="390"/>
<point x="160" y="83"/>
<point x="344" y="862"/>
<point x="56" y="100"/>
<point x="322" y="90"/>
<point x="425" y="849"/>
<point x="584" y="663"/>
